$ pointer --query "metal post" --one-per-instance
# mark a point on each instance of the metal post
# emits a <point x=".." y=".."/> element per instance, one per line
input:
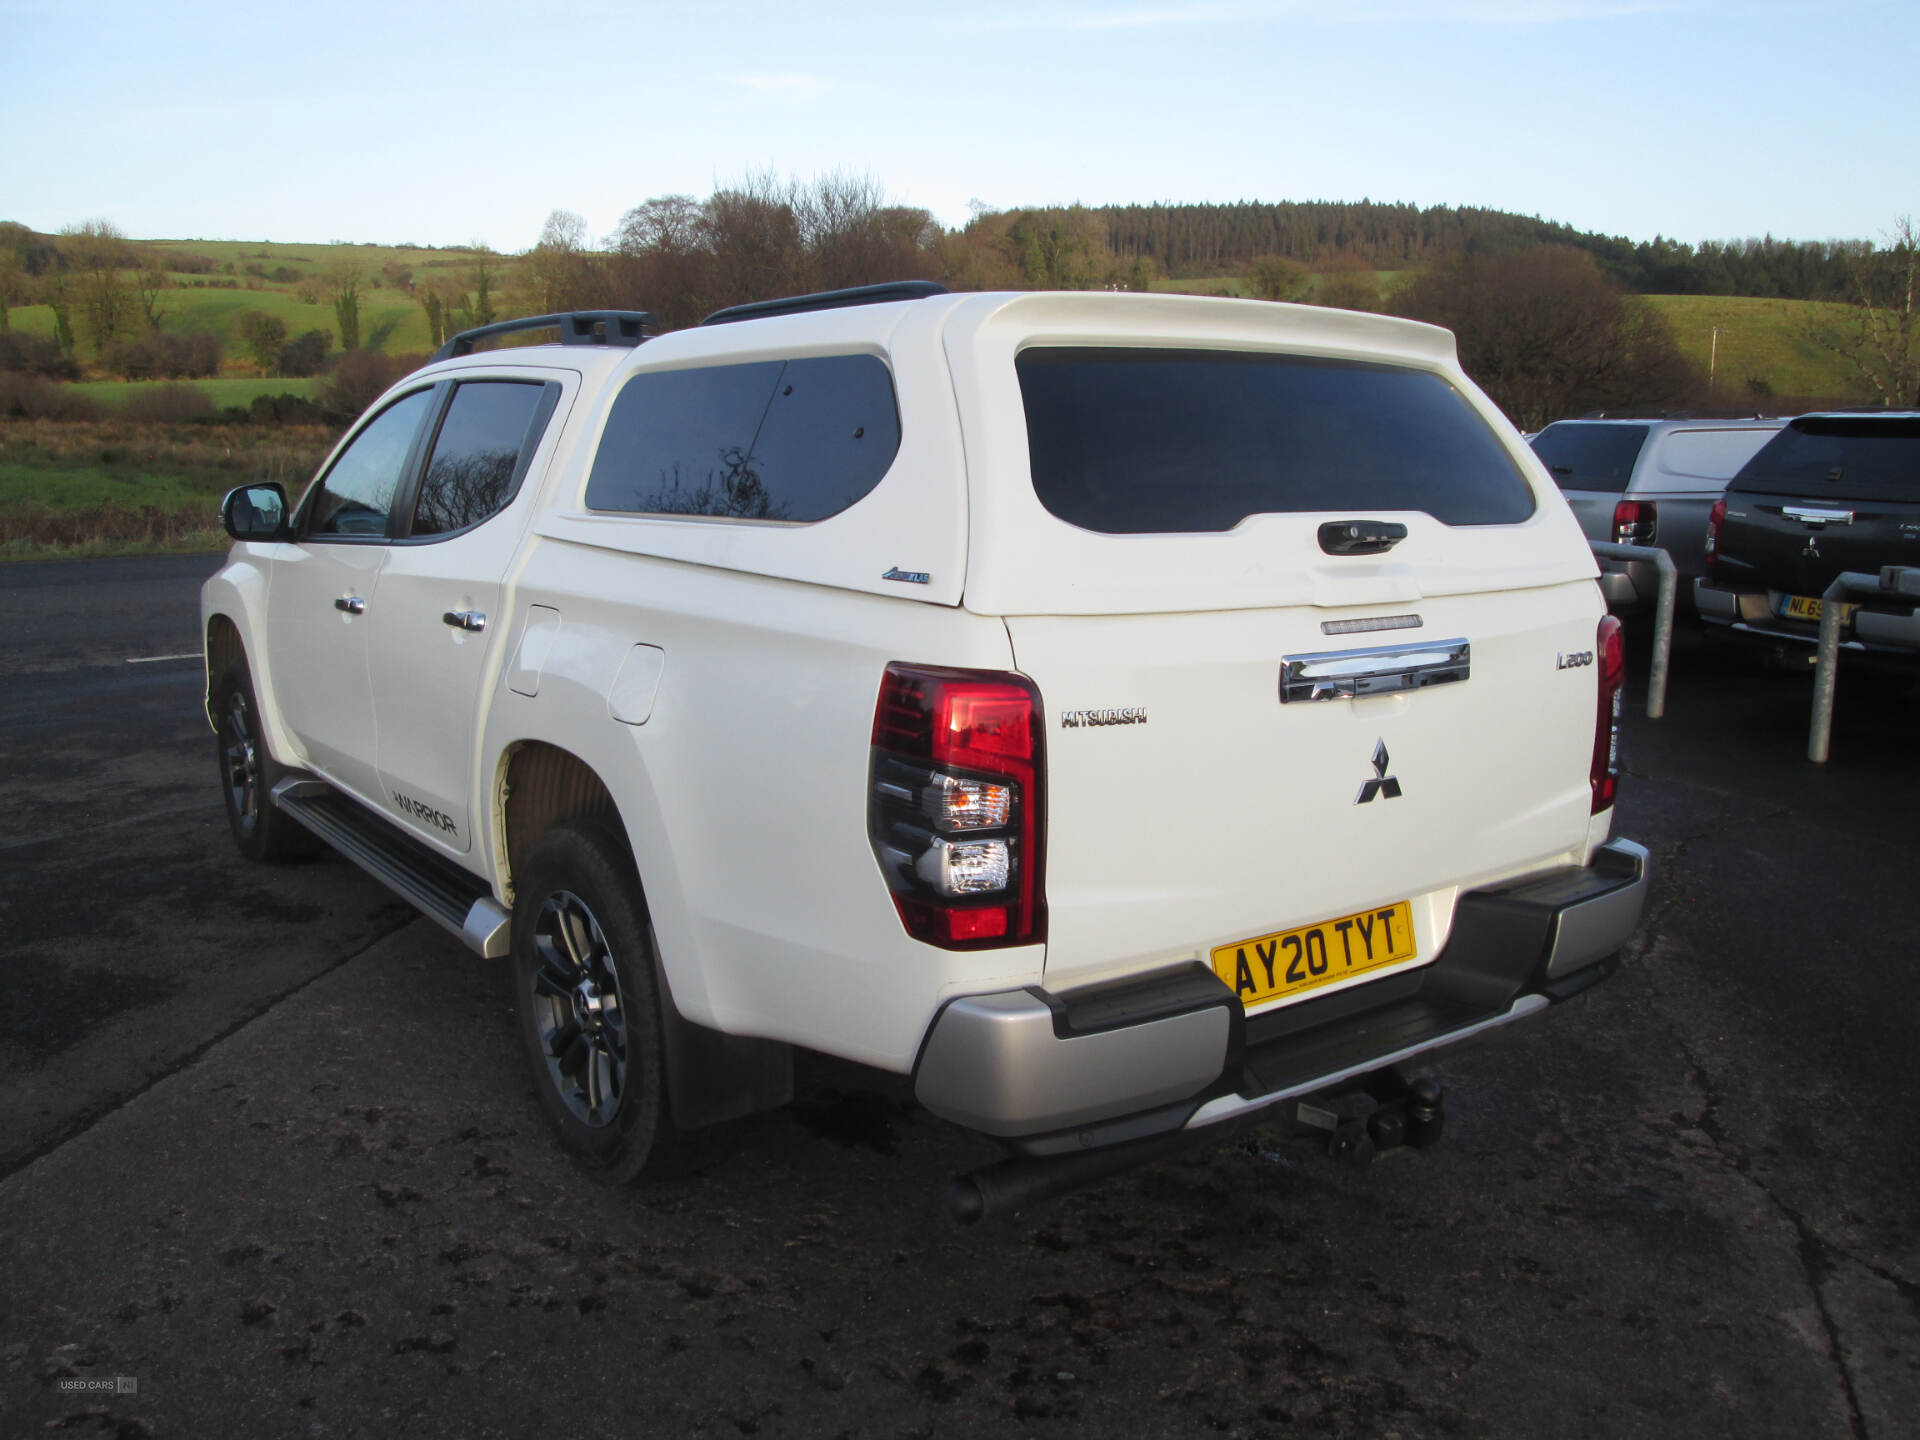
<point x="1892" y="580"/>
<point x="1662" y="615"/>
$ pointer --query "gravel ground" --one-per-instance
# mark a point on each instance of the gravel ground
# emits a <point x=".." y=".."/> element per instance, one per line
<point x="309" y="1193"/>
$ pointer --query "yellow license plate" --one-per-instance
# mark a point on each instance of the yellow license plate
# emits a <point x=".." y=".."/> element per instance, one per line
<point x="1290" y="961"/>
<point x="1806" y="607"/>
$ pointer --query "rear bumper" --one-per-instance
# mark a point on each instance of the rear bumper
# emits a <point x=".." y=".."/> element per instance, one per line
<point x="1055" y="1073"/>
<point x="1629" y="585"/>
<point x="1888" y="633"/>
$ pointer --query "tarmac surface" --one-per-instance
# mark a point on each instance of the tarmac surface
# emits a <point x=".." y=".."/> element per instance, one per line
<point x="267" y="1151"/>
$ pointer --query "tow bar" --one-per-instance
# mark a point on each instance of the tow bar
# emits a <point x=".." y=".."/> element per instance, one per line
<point x="1384" y="1112"/>
<point x="1376" y="1112"/>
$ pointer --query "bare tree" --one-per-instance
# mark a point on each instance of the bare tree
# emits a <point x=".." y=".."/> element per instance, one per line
<point x="1879" y="335"/>
<point x="662" y="261"/>
<point x="851" y="235"/>
<point x="98" y="253"/>
<point x="754" y="237"/>
<point x="1547" y="335"/>
<point x="664" y="223"/>
<point x="564" y="273"/>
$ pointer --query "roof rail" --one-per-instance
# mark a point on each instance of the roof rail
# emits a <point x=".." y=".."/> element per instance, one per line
<point x="828" y="300"/>
<point x="579" y="327"/>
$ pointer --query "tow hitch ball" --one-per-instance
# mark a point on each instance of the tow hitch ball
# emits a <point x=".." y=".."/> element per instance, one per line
<point x="1384" y="1112"/>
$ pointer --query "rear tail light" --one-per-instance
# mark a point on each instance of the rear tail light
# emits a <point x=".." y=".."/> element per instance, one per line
<point x="1633" y="522"/>
<point x="954" y="805"/>
<point x="1610" y="649"/>
<point x="1714" y="517"/>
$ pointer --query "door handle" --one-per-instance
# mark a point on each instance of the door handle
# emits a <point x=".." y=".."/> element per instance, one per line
<point x="351" y="604"/>
<point x="465" y="620"/>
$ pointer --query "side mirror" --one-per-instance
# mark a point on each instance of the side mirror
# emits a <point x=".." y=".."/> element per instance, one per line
<point x="255" y="512"/>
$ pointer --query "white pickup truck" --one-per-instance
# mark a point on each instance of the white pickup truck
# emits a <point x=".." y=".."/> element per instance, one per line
<point x="1121" y="714"/>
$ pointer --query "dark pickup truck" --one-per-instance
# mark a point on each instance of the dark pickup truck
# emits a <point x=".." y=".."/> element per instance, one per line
<point x="1828" y="493"/>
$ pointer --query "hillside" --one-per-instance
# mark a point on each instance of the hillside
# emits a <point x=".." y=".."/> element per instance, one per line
<point x="210" y="284"/>
<point x="1209" y="250"/>
<point x="1762" y="340"/>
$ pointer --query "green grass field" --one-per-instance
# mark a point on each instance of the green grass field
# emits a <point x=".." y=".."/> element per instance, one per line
<point x="77" y="486"/>
<point x="223" y="392"/>
<point x="121" y="486"/>
<point x="392" y="318"/>
<point x="1239" y="285"/>
<point x="1761" y="339"/>
<point x="307" y="256"/>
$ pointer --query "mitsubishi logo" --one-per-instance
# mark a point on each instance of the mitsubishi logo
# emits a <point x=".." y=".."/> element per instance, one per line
<point x="1382" y="783"/>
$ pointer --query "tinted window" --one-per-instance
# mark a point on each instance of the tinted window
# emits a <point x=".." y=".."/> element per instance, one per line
<point x="1153" y="441"/>
<point x="357" y="493"/>
<point x="475" y="465"/>
<point x="1590" y="457"/>
<point x="1850" y="458"/>
<point x="1714" y="455"/>
<point x="792" y="440"/>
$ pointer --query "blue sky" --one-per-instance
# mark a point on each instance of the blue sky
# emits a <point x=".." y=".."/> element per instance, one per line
<point x="446" y="123"/>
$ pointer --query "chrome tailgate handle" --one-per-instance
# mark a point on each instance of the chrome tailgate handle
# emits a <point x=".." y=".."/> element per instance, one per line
<point x="1812" y="515"/>
<point x="1379" y="670"/>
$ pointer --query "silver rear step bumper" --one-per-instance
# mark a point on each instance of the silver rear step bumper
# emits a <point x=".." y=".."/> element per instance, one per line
<point x="1055" y="1073"/>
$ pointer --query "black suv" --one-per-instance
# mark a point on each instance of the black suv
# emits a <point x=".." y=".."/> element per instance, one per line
<point x="1829" y="493"/>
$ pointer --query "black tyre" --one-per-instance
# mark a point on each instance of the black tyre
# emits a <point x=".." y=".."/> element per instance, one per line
<point x="248" y="773"/>
<point x="588" y="1000"/>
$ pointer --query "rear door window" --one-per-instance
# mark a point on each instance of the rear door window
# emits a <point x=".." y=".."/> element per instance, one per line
<point x="1590" y="456"/>
<point x="1144" y="441"/>
<point x="783" y="440"/>
<point x="1847" y="457"/>
<point x="479" y="456"/>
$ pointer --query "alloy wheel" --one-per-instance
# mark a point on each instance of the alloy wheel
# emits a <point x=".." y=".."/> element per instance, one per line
<point x="578" y="1007"/>
<point x="240" y="754"/>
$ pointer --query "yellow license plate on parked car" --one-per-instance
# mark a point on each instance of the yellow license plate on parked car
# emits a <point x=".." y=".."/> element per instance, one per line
<point x="1290" y="961"/>
<point x="1806" y="607"/>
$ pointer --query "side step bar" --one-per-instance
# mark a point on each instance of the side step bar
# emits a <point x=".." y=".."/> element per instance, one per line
<point x="458" y="902"/>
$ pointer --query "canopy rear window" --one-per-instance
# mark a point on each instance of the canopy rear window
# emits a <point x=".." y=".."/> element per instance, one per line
<point x="788" y="440"/>
<point x="1590" y="456"/>
<point x="1147" y="441"/>
<point x="1844" y="457"/>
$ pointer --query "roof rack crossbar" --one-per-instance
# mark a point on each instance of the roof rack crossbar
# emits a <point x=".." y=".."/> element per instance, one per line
<point x="578" y="327"/>
<point x="828" y="300"/>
